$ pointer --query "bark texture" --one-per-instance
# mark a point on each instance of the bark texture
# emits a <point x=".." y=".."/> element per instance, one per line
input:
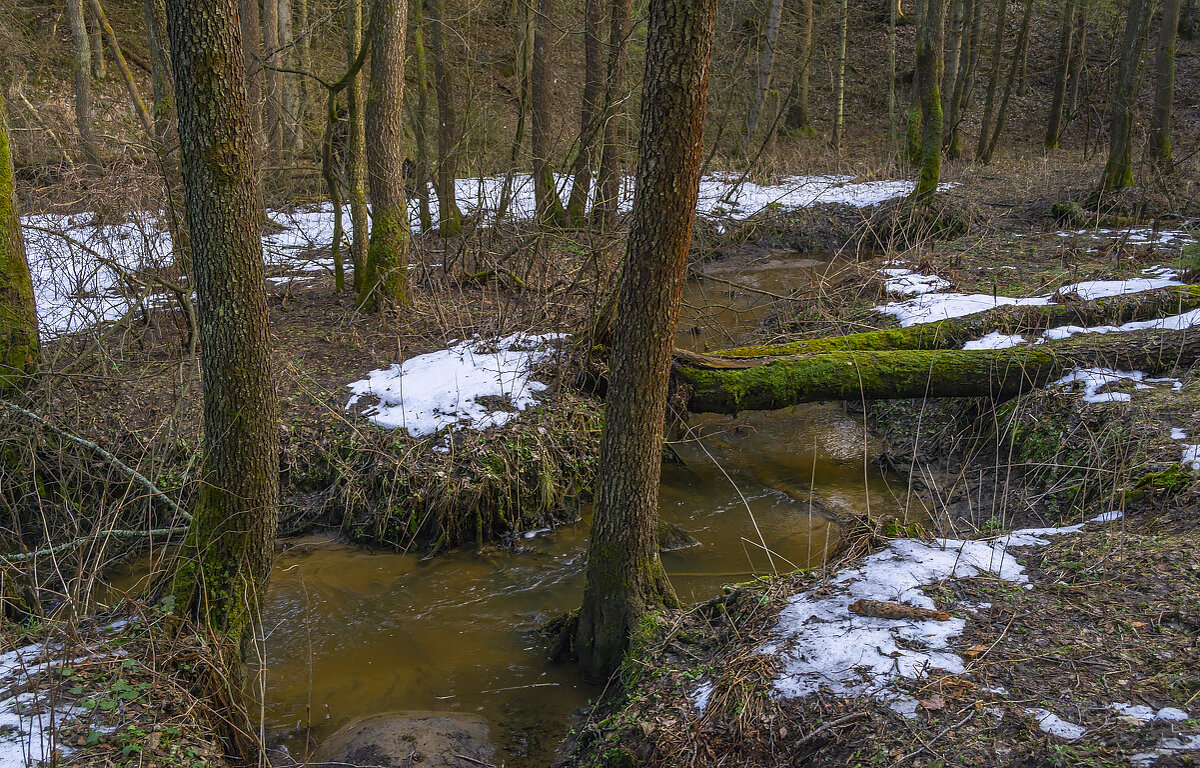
<point x="721" y="385"/>
<point x="221" y="575"/>
<point x="82" y="69"/>
<point x="548" y="208"/>
<point x="608" y="179"/>
<point x="1062" y="71"/>
<point x="18" y="316"/>
<point x="1118" y="170"/>
<point x="356" y="144"/>
<point x="384" y="278"/>
<point x="625" y="578"/>
<point x="581" y="170"/>
<point x="766" y="64"/>
<point x="1164" y="87"/>
<point x="449" y="216"/>
<point x="930" y="43"/>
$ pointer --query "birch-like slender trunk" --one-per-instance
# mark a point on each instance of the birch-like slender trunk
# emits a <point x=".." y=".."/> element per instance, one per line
<point x="766" y="63"/>
<point x="1164" y="88"/>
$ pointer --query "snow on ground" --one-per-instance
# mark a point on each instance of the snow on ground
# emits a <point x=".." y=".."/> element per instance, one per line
<point x="995" y="340"/>
<point x="1172" y="323"/>
<point x="1135" y="235"/>
<point x="1178" y="434"/>
<point x="1142" y="712"/>
<point x="457" y="387"/>
<point x="905" y="282"/>
<point x="822" y="644"/>
<point x="1166" y="747"/>
<point x="932" y="307"/>
<point x="701" y="695"/>
<point x="78" y="285"/>
<point x="1055" y="725"/>
<point x="27" y="720"/>
<point x="1093" y="380"/>
<point x="1191" y="456"/>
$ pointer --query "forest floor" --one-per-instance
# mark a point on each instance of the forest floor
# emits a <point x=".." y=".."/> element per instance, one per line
<point x="1088" y="619"/>
<point x="1059" y="574"/>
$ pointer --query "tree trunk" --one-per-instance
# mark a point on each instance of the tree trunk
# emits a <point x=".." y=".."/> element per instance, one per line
<point x="1118" y="171"/>
<point x="839" y="91"/>
<point x="766" y="62"/>
<point x="1061" y="73"/>
<point x="356" y="146"/>
<point x="718" y="385"/>
<point x="221" y="573"/>
<point x="82" y="67"/>
<point x="252" y="50"/>
<point x="953" y="333"/>
<point x="304" y="61"/>
<point x="18" y="316"/>
<point x="548" y="209"/>
<point x="274" y="79"/>
<point x="1010" y="83"/>
<point x="165" y="133"/>
<point x="930" y="40"/>
<point x="131" y="88"/>
<point x="99" y="67"/>
<point x="287" y="82"/>
<point x="989" y="105"/>
<point x="968" y="46"/>
<point x="383" y="284"/>
<point x="449" y="216"/>
<point x="955" y="37"/>
<point x="608" y="181"/>
<point x="799" y="118"/>
<point x="625" y="577"/>
<point x="524" y="54"/>
<point x="1164" y="88"/>
<point x="420" y="119"/>
<point x="589" y="124"/>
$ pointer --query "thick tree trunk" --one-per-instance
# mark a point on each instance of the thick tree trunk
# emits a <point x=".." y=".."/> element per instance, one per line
<point x="165" y="134"/>
<point x="930" y="42"/>
<point x="1061" y="73"/>
<point x="625" y="577"/>
<point x="839" y="91"/>
<point x="1118" y="171"/>
<point x="799" y="118"/>
<point x="82" y="68"/>
<point x="953" y="333"/>
<point x="548" y="209"/>
<point x="721" y="385"/>
<point x="420" y="119"/>
<point x="18" y="316"/>
<point x="989" y="104"/>
<point x="766" y="63"/>
<point x="221" y="573"/>
<point x="356" y="145"/>
<point x="252" y="51"/>
<point x="274" y="79"/>
<point x="1010" y="83"/>
<point x="1164" y="88"/>
<point x="384" y="282"/>
<point x="589" y="123"/>
<point x="449" y="216"/>
<point x="608" y="180"/>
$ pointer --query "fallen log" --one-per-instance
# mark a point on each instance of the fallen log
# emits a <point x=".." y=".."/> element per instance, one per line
<point x="717" y="384"/>
<point x="949" y="334"/>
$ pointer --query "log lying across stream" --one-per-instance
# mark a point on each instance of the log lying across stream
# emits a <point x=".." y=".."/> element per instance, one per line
<point x="924" y="361"/>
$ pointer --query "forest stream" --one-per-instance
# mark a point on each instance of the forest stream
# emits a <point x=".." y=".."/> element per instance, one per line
<point x="353" y="633"/>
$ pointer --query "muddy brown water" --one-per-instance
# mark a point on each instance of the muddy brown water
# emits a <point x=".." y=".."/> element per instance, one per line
<point x="351" y="633"/>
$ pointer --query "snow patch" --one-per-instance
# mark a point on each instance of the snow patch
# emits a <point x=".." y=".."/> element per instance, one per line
<point x="1166" y="747"/>
<point x="995" y="340"/>
<point x="1142" y="712"/>
<point x="447" y="388"/>
<point x="1178" y="434"/>
<point x="1191" y="456"/>
<point x="933" y="307"/>
<point x="1094" y="379"/>
<point x="905" y="282"/>
<point x="1055" y="725"/>
<point x="822" y="644"/>
<point x="1172" y="323"/>
<point x="701" y="695"/>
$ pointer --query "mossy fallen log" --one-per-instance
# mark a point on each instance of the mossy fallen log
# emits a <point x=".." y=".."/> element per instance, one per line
<point x="717" y="384"/>
<point x="949" y="334"/>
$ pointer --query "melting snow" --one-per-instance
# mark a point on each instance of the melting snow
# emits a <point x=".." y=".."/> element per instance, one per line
<point x="1178" y="434"/>
<point x="820" y="643"/>
<point x="1191" y="456"/>
<point x="1172" y="323"/>
<point x="1166" y="747"/>
<point x="1055" y="725"/>
<point x="934" y="307"/>
<point x="1094" y="379"/>
<point x="701" y="695"/>
<point x="1142" y="712"/>
<point x="447" y="388"/>
<point x="995" y="340"/>
<point x="905" y="282"/>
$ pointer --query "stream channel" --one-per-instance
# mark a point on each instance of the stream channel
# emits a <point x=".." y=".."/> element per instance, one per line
<point x="353" y="633"/>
